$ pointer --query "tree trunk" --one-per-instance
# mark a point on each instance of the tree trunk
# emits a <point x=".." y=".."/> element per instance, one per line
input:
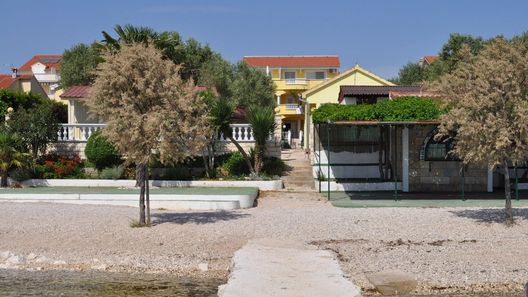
<point x="147" y="194"/>
<point x="258" y="159"/>
<point x="241" y="150"/>
<point x="3" y="183"/>
<point x="140" y="180"/>
<point x="507" y="192"/>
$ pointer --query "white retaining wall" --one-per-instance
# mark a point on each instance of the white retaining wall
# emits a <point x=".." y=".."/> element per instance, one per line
<point x="358" y="187"/>
<point x="261" y="184"/>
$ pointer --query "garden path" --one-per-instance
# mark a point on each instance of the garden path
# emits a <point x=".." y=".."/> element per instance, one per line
<point x="299" y="177"/>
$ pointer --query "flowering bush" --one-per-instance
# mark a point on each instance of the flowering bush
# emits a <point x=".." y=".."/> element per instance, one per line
<point x="62" y="167"/>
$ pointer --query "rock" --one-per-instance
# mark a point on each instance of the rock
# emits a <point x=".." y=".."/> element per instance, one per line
<point x="59" y="262"/>
<point x="15" y="260"/>
<point x="31" y="256"/>
<point x="203" y="266"/>
<point x="6" y="254"/>
<point x="41" y="259"/>
<point x="99" y="267"/>
<point x="393" y="282"/>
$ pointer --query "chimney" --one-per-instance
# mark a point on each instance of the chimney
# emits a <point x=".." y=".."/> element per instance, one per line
<point x="15" y="72"/>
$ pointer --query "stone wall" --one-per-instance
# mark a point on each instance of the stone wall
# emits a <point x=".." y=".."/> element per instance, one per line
<point x="440" y="176"/>
<point x="68" y="148"/>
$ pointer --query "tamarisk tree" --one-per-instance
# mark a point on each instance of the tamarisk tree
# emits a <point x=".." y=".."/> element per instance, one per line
<point x="488" y="100"/>
<point x="150" y="111"/>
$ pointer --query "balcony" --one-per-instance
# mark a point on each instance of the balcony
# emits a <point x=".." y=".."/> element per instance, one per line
<point x="291" y="109"/>
<point x="296" y="84"/>
<point x="47" y="77"/>
<point x="81" y="132"/>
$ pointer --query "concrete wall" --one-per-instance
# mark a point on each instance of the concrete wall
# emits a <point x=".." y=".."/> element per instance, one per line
<point x="440" y="176"/>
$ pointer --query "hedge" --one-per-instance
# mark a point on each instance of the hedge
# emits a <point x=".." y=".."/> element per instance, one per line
<point x="408" y="108"/>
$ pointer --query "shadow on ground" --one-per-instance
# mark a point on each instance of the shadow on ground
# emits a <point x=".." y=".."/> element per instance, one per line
<point x="491" y="215"/>
<point x="196" y="217"/>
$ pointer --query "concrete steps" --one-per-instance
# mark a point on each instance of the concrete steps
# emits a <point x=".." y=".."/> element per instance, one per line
<point x="300" y="177"/>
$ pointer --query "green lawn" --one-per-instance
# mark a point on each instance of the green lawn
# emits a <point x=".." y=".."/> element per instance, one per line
<point x="388" y="199"/>
<point x="113" y="190"/>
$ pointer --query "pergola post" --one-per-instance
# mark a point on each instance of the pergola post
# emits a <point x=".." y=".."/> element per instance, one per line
<point x="328" y="157"/>
<point x="490" y="180"/>
<point x="405" y="159"/>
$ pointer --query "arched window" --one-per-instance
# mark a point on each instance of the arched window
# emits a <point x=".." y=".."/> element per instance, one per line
<point x="437" y="149"/>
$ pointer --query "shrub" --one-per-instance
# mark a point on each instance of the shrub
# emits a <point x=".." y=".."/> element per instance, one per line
<point x="21" y="174"/>
<point x="63" y="167"/>
<point x="115" y="172"/>
<point x="37" y="127"/>
<point x="100" y="152"/>
<point x="177" y="173"/>
<point x="18" y="100"/>
<point x="234" y="165"/>
<point x="408" y="108"/>
<point x="273" y="166"/>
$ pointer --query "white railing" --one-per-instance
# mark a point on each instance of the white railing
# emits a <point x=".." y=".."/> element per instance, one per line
<point x="240" y="132"/>
<point x="77" y="132"/>
<point x="47" y="77"/>
<point x="291" y="106"/>
<point x="295" y="81"/>
<point x="81" y="132"/>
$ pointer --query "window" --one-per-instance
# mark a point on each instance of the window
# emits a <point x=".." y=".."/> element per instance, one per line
<point x="316" y="75"/>
<point x="289" y="75"/>
<point x="437" y="149"/>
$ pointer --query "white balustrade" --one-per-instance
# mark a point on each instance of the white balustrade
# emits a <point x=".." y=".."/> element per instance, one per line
<point x="81" y="132"/>
<point x="295" y="81"/>
<point x="77" y="132"/>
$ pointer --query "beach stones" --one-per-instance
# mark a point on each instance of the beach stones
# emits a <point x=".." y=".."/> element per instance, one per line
<point x="393" y="282"/>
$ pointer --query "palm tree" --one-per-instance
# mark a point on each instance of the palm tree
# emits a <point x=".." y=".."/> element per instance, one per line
<point x="262" y="121"/>
<point x="10" y="156"/>
<point x="168" y="42"/>
<point x="221" y="114"/>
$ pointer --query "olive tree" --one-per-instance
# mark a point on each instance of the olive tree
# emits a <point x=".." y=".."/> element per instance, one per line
<point x="488" y="99"/>
<point x="150" y="111"/>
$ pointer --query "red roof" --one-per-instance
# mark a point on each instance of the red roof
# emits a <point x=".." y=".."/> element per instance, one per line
<point x="292" y="61"/>
<point x="430" y="59"/>
<point x="51" y="61"/>
<point x="6" y="80"/>
<point x="77" y="92"/>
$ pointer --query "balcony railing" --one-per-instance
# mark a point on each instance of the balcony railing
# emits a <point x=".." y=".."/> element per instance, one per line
<point x="81" y="132"/>
<point x="296" y="81"/>
<point x="290" y="109"/>
<point x="77" y="132"/>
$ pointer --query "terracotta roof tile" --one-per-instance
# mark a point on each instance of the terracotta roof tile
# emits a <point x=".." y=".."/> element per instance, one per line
<point x="430" y="59"/>
<point x="51" y="61"/>
<point x="6" y="80"/>
<point x="292" y="61"/>
<point x="77" y="92"/>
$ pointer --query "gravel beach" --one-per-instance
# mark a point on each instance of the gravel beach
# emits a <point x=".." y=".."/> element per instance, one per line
<point x="448" y="249"/>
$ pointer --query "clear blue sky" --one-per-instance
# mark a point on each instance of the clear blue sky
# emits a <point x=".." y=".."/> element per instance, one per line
<point x="379" y="35"/>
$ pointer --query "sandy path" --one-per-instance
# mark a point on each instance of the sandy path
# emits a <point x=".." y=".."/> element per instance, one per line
<point x="446" y="248"/>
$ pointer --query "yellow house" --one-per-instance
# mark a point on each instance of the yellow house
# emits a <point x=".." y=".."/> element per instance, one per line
<point x="328" y="92"/>
<point x="292" y="76"/>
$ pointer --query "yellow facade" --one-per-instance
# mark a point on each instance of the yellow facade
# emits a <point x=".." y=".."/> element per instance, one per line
<point x="288" y="90"/>
<point x="328" y="92"/>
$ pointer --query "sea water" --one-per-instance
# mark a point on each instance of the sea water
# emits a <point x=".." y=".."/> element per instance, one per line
<point x="73" y="283"/>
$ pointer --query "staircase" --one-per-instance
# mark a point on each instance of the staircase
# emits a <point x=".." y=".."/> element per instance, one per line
<point x="299" y="178"/>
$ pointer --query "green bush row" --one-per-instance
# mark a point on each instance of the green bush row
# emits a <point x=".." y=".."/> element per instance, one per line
<point x="408" y="108"/>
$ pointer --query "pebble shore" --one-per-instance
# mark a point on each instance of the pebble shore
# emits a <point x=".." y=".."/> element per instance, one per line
<point x="448" y="249"/>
